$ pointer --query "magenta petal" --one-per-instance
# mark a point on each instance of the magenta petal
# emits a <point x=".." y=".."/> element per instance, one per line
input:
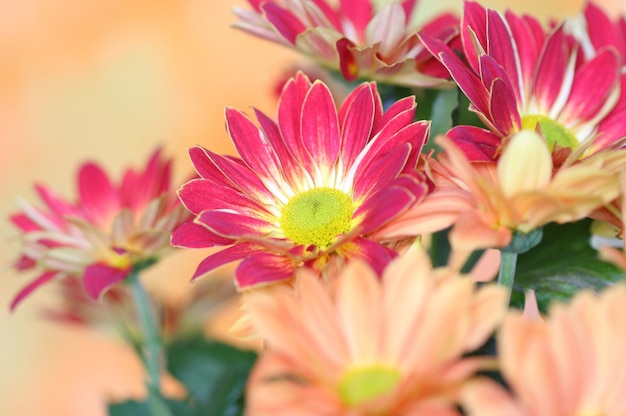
<point x="99" y="277"/>
<point x="201" y="195"/>
<point x="502" y="48"/>
<point x="263" y="268"/>
<point x="97" y="194"/>
<point x="231" y="225"/>
<point x="223" y="257"/>
<point x="477" y="144"/>
<point x="289" y="114"/>
<point x="250" y="142"/>
<point x="380" y="171"/>
<point x="40" y="280"/>
<point x="357" y="124"/>
<point x="373" y="253"/>
<point x="473" y="22"/>
<point x="527" y="44"/>
<point x="359" y="13"/>
<point x="347" y="59"/>
<point x="284" y="21"/>
<point x="504" y="112"/>
<point x="402" y="110"/>
<point x="553" y="61"/>
<point x="320" y="126"/>
<point x="386" y="205"/>
<point x="191" y="235"/>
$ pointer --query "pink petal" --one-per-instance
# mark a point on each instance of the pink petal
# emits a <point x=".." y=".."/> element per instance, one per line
<point x="526" y="43"/>
<point x="263" y="268"/>
<point x="223" y="257"/>
<point x="373" y="253"/>
<point x="97" y="194"/>
<point x="357" y="124"/>
<point x="55" y="203"/>
<point x="347" y="59"/>
<point x="473" y="22"/>
<point x="550" y="70"/>
<point x="376" y="175"/>
<point x="192" y="235"/>
<point x="401" y="109"/>
<point x="358" y="12"/>
<point x="320" y="127"/>
<point x="22" y="294"/>
<point x="284" y="21"/>
<point x="389" y="204"/>
<point x="204" y="195"/>
<point x="235" y="226"/>
<point x="590" y="91"/>
<point x="504" y="112"/>
<point x="502" y="49"/>
<point x="99" y="277"/>
<point x="289" y="114"/>
<point x="476" y="143"/>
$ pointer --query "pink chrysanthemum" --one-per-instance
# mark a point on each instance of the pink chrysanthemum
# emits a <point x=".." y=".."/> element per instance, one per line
<point x="570" y="364"/>
<point x="360" y="38"/>
<point x="365" y="346"/>
<point x="307" y="190"/>
<point x="518" y="75"/>
<point x="102" y="237"/>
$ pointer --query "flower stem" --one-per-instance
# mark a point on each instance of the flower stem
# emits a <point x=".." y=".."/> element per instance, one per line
<point x="508" y="263"/>
<point x="150" y="346"/>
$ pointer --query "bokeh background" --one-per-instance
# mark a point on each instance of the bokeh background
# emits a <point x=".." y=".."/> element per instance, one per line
<point x="109" y="80"/>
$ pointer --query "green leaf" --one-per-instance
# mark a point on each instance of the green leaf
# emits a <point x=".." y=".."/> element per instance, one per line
<point x="133" y="408"/>
<point x="561" y="265"/>
<point x="214" y="374"/>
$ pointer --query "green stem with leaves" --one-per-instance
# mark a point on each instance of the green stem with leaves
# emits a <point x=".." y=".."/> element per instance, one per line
<point x="508" y="264"/>
<point x="150" y="348"/>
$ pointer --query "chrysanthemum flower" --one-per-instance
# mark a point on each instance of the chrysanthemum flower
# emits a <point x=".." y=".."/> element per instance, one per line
<point x="307" y="190"/>
<point x="518" y="75"/>
<point x="570" y="364"/>
<point x="110" y="229"/>
<point x="487" y="201"/>
<point x="360" y="38"/>
<point x="360" y="345"/>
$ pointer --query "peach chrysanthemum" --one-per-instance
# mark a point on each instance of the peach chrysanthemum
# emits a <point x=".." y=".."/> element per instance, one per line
<point x="519" y="193"/>
<point x="362" y="346"/>
<point x="571" y="364"/>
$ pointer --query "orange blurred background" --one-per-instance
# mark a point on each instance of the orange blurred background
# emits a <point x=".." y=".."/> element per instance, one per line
<point x="110" y="80"/>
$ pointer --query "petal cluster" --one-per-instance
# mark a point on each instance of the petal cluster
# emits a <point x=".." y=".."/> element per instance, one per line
<point x="362" y="345"/>
<point x="568" y="364"/>
<point x="108" y="231"/>
<point x="360" y="38"/>
<point x="308" y="189"/>
<point x="488" y="201"/>
<point x="519" y="75"/>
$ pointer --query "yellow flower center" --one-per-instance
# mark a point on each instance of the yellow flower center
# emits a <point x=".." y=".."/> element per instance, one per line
<point x="553" y="132"/>
<point x="317" y="216"/>
<point x="362" y="384"/>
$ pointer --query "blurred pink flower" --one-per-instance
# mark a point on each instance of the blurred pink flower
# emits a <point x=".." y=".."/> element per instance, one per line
<point x="360" y="38"/>
<point x="309" y="189"/>
<point x="359" y="345"/>
<point x="570" y="364"/>
<point x="519" y="75"/>
<point x="110" y="230"/>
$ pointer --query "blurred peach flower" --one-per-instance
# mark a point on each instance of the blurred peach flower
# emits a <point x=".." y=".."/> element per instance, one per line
<point x="571" y="363"/>
<point x="110" y="230"/>
<point x="362" y="346"/>
<point x="489" y="201"/>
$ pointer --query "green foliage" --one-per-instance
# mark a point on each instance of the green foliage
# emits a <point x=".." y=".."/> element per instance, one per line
<point x="214" y="374"/>
<point x="561" y="265"/>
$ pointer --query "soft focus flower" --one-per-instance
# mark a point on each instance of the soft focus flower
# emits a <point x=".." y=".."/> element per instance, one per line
<point x="361" y="346"/>
<point x="570" y="364"/>
<point x="518" y="75"/>
<point x="308" y="189"/>
<point x="110" y="230"/>
<point x="360" y="38"/>
<point x="488" y="201"/>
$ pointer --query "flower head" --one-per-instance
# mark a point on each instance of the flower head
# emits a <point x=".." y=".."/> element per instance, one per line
<point x="488" y="201"/>
<point x="360" y="38"/>
<point x="571" y="363"/>
<point x="110" y="230"/>
<point x="359" y="345"/>
<point x="307" y="190"/>
<point x="518" y="75"/>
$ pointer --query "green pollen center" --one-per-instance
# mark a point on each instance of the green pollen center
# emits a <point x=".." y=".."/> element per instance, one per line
<point x="316" y="216"/>
<point x="554" y="132"/>
<point x="363" y="384"/>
